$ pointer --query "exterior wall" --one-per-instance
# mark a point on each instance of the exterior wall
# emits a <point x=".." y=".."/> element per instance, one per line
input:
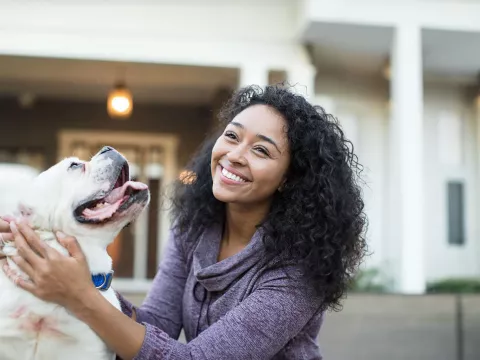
<point x="450" y="154"/>
<point x="361" y="105"/>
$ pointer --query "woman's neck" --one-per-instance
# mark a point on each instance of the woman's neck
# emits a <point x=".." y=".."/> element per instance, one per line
<point x="241" y="223"/>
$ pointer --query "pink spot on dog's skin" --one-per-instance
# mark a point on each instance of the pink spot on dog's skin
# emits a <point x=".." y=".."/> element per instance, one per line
<point x="19" y="312"/>
<point x="39" y="325"/>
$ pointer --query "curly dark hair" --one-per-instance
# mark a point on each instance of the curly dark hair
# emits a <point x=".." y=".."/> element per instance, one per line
<point x="318" y="218"/>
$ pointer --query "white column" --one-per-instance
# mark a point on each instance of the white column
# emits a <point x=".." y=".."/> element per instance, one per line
<point x="302" y="77"/>
<point x="140" y="245"/>
<point x="253" y="74"/>
<point x="477" y="182"/>
<point x="406" y="88"/>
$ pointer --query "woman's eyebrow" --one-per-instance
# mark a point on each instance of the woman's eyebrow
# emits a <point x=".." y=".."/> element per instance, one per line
<point x="260" y="136"/>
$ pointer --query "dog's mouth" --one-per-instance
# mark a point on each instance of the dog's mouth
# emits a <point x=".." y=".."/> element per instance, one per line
<point x="120" y="198"/>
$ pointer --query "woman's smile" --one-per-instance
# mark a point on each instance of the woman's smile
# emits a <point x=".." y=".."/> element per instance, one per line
<point x="231" y="177"/>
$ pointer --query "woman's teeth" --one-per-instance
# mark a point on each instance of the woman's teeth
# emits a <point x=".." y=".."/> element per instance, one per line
<point x="231" y="176"/>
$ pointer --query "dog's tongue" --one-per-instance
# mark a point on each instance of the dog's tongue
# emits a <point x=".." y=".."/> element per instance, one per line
<point x="112" y="201"/>
<point x="117" y="194"/>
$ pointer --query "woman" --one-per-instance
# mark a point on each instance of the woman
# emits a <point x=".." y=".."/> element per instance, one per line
<point x="268" y="233"/>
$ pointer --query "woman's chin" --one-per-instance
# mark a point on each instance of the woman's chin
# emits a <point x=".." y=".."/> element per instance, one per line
<point x="224" y="196"/>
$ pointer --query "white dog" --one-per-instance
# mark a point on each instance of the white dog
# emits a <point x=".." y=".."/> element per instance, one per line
<point x="92" y="201"/>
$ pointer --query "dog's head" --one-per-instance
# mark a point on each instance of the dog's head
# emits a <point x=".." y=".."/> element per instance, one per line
<point x="85" y="199"/>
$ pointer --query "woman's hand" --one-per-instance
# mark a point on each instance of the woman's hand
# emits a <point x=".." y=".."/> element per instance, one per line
<point x="5" y="234"/>
<point x="67" y="281"/>
<point x="53" y="277"/>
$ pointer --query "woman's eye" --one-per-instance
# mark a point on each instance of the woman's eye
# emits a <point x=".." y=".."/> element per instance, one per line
<point x="231" y="135"/>
<point x="75" y="165"/>
<point x="262" y="150"/>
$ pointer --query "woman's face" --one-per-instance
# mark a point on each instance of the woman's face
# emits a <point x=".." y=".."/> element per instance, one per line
<point x="251" y="157"/>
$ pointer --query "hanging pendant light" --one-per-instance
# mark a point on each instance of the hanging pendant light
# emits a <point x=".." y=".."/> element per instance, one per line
<point x="120" y="102"/>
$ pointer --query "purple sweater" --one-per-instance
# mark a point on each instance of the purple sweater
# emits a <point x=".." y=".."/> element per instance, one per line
<point x="238" y="308"/>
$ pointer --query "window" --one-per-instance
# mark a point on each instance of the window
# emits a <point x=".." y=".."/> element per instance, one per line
<point x="455" y="206"/>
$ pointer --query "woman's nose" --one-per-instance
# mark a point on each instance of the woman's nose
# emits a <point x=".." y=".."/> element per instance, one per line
<point x="237" y="155"/>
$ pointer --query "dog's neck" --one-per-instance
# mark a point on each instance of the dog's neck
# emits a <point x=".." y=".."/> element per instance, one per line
<point x="97" y="257"/>
<point x="94" y="249"/>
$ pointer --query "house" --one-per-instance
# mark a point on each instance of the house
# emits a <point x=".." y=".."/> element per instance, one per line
<point x="401" y="77"/>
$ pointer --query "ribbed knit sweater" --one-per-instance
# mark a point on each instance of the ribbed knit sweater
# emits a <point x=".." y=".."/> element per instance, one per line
<point x="237" y="308"/>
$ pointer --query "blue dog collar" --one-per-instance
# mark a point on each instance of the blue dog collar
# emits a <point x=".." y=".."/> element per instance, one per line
<point x="103" y="281"/>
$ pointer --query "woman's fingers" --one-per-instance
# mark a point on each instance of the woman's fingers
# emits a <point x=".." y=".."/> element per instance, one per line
<point x="18" y="280"/>
<point x="72" y="245"/>
<point x="5" y="235"/>
<point x="4" y="226"/>
<point x="23" y="248"/>
<point x="33" y="240"/>
<point x="24" y="266"/>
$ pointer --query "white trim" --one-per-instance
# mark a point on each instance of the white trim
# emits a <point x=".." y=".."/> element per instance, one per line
<point x="426" y="14"/>
<point x="140" y="247"/>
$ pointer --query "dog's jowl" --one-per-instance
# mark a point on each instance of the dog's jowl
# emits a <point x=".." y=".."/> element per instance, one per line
<point x="91" y="201"/>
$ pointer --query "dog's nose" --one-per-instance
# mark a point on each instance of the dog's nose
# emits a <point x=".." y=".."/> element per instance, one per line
<point x="105" y="149"/>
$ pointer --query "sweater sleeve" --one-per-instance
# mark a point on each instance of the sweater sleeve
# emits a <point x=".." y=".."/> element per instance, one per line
<point x="162" y="307"/>
<point x="257" y="328"/>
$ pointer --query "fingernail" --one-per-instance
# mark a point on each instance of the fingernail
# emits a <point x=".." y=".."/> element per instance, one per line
<point x="61" y="235"/>
<point x="7" y="218"/>
<point x="13" y="227"/>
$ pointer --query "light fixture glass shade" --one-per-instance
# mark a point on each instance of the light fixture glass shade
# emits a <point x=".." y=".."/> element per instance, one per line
<point x="120" y="103"/>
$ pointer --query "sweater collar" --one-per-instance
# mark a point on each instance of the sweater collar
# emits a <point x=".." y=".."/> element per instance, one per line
<point x="217" y="276"/>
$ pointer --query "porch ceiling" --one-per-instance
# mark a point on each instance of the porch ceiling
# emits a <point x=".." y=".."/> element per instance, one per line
<point x="358" y="50"/>
<point x="92" y="80"/>
<point x="449" y="56"/>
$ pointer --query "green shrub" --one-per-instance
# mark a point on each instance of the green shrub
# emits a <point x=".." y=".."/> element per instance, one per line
<point x="455" y="286"/>
<point x="369" y="280"/>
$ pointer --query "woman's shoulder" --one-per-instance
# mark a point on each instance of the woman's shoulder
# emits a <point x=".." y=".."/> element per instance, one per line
<point x="281" y="272"/>
<point x="186" y="240"/>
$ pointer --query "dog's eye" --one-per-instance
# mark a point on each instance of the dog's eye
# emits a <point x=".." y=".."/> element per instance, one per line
<point x="75" y="165"/>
